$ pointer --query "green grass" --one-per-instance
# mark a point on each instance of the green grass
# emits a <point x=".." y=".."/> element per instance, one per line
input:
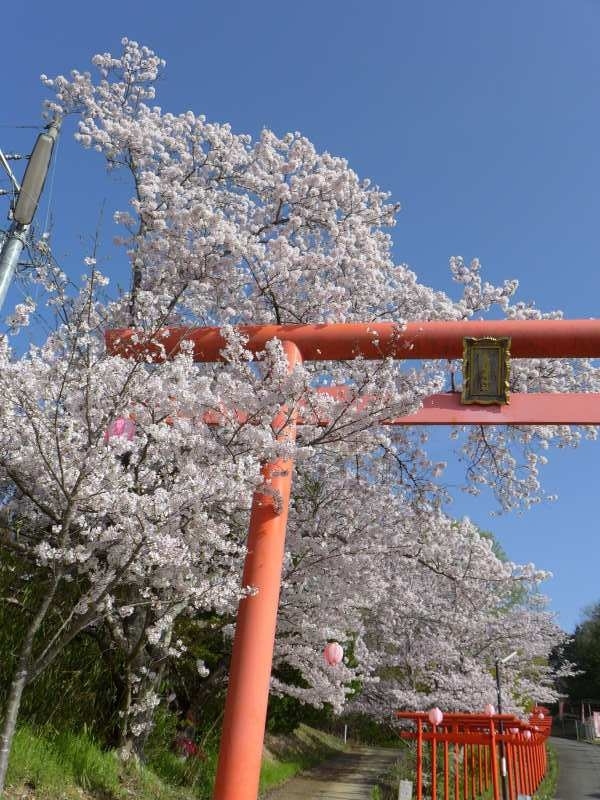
<point x="197" y="774"/>
<point x="288" y="755"/>
<point x="46" y="765"/>
<point x="547" y="787"/>
<point x="33" y="762"/>
<point x="272" y="773"/>
<point x="38" y="760"/>
<point x="69" y="765"/>
<point x="403" y="768"/>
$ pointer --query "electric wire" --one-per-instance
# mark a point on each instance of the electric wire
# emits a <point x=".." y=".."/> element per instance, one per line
<point x="51" y="186"/>
<point x="9" y="171"/>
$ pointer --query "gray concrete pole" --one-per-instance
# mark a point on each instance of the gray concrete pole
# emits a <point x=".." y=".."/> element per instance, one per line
<point x="9" y="257"/>
<point x="28" y="197"/>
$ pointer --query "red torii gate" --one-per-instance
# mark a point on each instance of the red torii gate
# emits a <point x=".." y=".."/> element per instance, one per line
<point x="247" y="697"/>
<point x="480" y="739"/>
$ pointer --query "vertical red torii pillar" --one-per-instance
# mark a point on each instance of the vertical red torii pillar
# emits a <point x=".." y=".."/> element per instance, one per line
<point x="245" y="713"/>
<point x="252" y="655"/>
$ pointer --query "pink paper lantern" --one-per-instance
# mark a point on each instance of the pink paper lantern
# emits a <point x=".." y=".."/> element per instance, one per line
<point x="514" y="731"/>
<point x="540" y="715"/>
<point x="489" y="710"/>
<point x="120" y="427"/>
<point x="435" y="716"/>
<point x="333" y="653"/>
<point x="527" y="735"/>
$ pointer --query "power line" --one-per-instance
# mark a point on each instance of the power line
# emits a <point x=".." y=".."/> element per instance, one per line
<point x="51" y="187"/>
<point x="9" y="171"/>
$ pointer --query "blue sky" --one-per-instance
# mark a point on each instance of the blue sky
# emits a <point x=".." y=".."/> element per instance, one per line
<point x="482" y="118"/>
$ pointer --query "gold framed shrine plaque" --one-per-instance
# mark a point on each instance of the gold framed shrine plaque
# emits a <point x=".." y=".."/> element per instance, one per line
<point x="486" y="370"/>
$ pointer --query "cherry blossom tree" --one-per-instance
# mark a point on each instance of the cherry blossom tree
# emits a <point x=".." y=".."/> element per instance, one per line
<point x="122" y="502"/>
<point x="224" y="230"/>
<point x="441" y="604"/>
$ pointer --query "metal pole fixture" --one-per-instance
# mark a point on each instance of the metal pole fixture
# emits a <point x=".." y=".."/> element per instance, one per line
<point x="503" y="770"/>
<point x="28" y="196"/>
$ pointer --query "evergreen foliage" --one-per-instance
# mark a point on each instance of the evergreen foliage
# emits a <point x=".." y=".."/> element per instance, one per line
<point x="583" y="650"/>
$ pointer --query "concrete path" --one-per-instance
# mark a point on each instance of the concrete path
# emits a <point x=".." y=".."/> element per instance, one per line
<point x="578" y="769"/>
<point x="350" y="776"/>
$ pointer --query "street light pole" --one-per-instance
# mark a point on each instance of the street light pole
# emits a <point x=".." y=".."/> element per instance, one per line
<point x="27" y="200"/>
<point x="503" y="770"/>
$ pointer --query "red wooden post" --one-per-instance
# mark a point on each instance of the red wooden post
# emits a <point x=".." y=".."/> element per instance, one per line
<point x="486" y="779"/>
<point x="528" y="775"/>
<point x="494" y="761"/>
<point x="456" y="772"/>
<point x="473" y="790"/>
<point x="480" y="769"/>
<point x="434" y="762"/>
<point x="517" y="768"/>
<point x="465" y="752"/>
<point x="539" y="761"/>
<point x="522" y="779"/>
<point x="419" y="759"/>
<point x="509" y="751"/>
<point x="544" y="756"/>
<point x="240" y="753"/>
<point x="522" y="767"/>
<point x="446" y="770"/>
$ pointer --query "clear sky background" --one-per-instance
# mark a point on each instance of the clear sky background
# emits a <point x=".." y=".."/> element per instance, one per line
<point x="482" y="118"/>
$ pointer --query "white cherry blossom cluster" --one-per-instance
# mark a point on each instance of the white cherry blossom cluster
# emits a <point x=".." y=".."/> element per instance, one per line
<point x="421" y="602"/>
<point x="225" y="230"/>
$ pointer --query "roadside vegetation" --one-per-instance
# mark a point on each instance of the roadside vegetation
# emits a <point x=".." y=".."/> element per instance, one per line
<point x="50" y="765"/>
<point x="547" y="787"/>
<point x="66" y="746"/>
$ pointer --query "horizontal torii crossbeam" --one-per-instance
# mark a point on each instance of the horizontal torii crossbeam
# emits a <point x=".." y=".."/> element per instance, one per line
<point x="342" y="341"/>
<point x="246" y="706"/>
<point x="534" y="408"/>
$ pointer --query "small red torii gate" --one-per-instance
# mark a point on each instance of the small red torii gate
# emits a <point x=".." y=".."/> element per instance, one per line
<point x="481" y="742"/>
<point x="250" y="671"/>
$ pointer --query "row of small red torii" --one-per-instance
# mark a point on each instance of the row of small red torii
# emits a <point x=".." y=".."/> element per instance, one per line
<point x="246" y="706"/>
<point x="478" y="743"/>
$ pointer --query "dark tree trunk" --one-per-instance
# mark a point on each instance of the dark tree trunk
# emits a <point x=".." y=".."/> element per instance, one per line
<point x="19" y="682"/>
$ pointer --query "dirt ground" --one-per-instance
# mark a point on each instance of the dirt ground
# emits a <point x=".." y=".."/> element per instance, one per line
<point x="349" y="776"/>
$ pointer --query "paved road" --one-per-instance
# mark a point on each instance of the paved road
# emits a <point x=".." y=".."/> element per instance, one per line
<point x="350" y="776"/>
<point x="578" y="770"/>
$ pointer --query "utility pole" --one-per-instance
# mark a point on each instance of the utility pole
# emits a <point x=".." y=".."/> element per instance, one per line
<point x="503" y="770"/>
<point x="28" y="196"/>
